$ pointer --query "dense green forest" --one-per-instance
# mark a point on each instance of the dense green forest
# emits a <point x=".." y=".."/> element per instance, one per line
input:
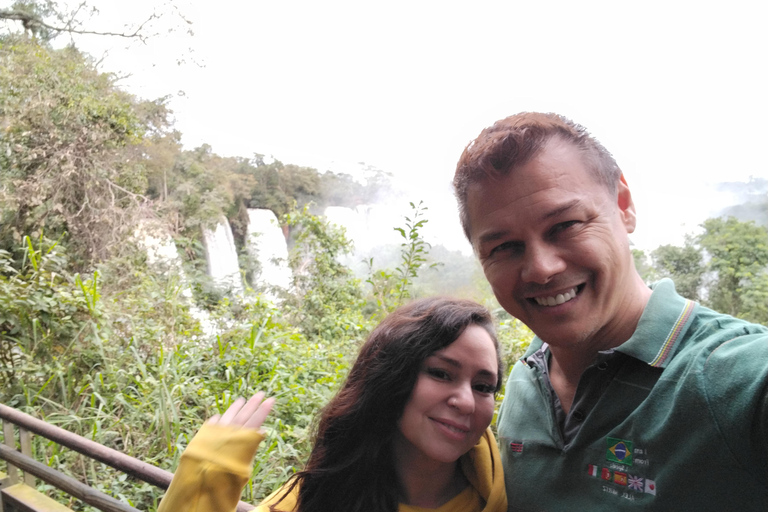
<point x="96" y="339"/>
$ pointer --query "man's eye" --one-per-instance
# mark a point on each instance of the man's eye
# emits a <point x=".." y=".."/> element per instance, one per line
<point x="513" y="247"/>
<point x="563" y="226"/>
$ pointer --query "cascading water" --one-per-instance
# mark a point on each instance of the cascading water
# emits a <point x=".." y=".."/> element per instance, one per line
<point x="221" y="254"/>
<point x="267" y="245"/>
<point x="163" y="255"/>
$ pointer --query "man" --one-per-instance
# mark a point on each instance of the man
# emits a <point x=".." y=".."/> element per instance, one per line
<point x="630" y="397"/>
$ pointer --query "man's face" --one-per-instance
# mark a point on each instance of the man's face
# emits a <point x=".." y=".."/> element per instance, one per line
<point x="553" y="244"/>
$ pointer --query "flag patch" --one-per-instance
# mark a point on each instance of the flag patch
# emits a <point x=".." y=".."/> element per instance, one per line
<point x="592" y="470"/>
<point x="620" y="478"/>
<point x="650" y="487"/>
<point x="635" y="483"/>
<point x="619" y="450"/>
<point x="606" y="474"/>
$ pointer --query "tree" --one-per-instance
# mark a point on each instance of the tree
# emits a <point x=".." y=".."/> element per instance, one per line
<point x="68" y="158"/>
<point x="645" y="269"/>
<point x="684" y="265"/>
<point x="47" y="19"/>
<point x="738" y="253"/>
<point x="326" y="302"/>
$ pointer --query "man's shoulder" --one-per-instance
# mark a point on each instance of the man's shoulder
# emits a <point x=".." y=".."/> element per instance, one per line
<point x="720" y="328"/>
<point x="728" y="357"/>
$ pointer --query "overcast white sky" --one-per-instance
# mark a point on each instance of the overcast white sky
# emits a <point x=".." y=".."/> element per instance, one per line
<point x="675" y="90"/>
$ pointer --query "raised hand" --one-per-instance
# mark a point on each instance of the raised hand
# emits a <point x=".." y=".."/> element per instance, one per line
<point x="250" y="414"/>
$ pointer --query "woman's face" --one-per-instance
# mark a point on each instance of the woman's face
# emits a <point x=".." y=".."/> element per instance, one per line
<point x="452" y="402"/>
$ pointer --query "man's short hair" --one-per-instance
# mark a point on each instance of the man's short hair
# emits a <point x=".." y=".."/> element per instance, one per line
<point x="515" y="140"/>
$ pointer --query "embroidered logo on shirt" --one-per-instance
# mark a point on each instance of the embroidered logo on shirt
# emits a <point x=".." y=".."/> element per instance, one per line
<point x="635" y="483"/>
<point x="606" y="474"/>
<point x="620" y="478"/>
<point x="516" y="447"/>
<point x="619" y="451"/>
<point x="650" y="487"/>
<point x="592" y="470"/>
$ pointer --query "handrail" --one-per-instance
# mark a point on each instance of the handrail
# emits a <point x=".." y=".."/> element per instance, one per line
<point x="113" y="458"/>
<point x="118" y="460"/>
<point x="66" y="483"/>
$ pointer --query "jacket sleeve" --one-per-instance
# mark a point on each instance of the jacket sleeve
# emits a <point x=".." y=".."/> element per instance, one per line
<point x="213" y="470"/>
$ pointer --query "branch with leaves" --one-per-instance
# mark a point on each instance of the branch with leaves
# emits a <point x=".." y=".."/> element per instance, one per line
<point x="33" y="24"/>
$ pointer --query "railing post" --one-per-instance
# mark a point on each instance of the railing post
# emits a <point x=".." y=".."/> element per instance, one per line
<point x="10" y="441"/>
<point x="26" y="449"/>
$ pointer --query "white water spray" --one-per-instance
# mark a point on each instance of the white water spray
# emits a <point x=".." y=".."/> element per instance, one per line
<point x="221" y="254"/>
<point x="266" y="243"/>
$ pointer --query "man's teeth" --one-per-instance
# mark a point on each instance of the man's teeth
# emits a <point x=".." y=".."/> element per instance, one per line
<point x="558" y="299"/>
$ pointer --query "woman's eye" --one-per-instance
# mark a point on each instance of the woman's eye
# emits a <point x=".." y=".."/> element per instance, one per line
<point x="438" y="373"/>
<point x="485" y="388"/>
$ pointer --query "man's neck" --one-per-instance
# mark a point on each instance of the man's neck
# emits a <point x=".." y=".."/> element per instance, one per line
<point x="568" y="363"/>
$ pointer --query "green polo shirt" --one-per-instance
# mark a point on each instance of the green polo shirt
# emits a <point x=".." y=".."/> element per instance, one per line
<point x="674" y="419"/>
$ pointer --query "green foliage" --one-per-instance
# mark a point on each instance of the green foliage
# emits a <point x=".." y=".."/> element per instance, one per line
<point x="514" y="337"/>
<point x="327" y="301"/>
<point x="28" y="11"/>
<point x="643" y="267"/>
<point x="390" y="289"/>
<point x="45" y="312"/>
<point x="65" y="164"/>
<point x="725" y="267"/>
<point x="278" y="186"/>
<point x="684" y="265"/>
<point x="200" y="188"/>
<point x="738" y="253"/>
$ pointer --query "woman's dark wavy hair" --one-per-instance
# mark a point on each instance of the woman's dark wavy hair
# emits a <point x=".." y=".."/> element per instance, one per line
<point x="351" y="466"/>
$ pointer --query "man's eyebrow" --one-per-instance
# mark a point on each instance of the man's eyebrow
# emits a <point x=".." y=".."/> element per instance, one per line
<point x="491" y="237"/>
<point x="457" y="364"/>
<point x="561" y="209"/>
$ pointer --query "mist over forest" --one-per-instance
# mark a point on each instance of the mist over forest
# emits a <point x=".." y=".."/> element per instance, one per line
<point x="102" y="337"/>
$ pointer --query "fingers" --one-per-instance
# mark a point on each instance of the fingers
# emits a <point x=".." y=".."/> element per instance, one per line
<point x="258" y="416"/>
<point x="250" y="414"/>
<point x="231" y="412"/>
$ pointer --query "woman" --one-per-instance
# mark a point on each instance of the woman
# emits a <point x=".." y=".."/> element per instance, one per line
<point x="408" y="430"/>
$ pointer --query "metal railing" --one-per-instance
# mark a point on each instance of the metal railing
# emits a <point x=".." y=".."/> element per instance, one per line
<point x="22" y="460"/>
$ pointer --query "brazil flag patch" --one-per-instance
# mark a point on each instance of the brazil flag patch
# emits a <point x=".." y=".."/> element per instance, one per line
<point x="619" y="451"/>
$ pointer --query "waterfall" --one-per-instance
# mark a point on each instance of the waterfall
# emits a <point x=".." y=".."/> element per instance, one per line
<point x="221" y="254"/>
<point x="163" y="256"/>
<point x="266" y="243"/>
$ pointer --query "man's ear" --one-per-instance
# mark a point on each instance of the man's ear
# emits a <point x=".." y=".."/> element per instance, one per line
<point x="626" y="205"/>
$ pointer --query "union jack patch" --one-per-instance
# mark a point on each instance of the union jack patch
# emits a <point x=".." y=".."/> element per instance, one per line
<point x="635" y="483"/>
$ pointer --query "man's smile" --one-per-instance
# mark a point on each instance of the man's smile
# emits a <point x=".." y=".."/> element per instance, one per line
<point x="557" y="299"/>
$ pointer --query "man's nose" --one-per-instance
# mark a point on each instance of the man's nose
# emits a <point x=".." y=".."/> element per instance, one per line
<point x="541" y="263"/>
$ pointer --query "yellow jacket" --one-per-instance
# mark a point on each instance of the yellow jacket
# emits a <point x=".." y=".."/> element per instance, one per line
<point x="217" y="464"/>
